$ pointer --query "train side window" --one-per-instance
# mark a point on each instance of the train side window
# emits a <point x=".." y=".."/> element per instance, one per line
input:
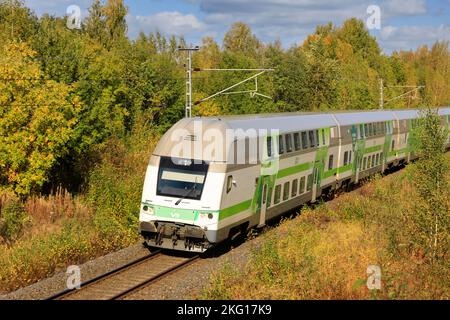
<point x="305" y="143"/>
<point x="276" y="198"/>
<point x="316" y="138"/>
<point x="288" y="139"/>
<point x="297" y="142"/>
<point x="366" y="130"/>
<point x="361" y="131"/>
<point x="311" y="139"/>
<point x="373" y="161"/>
<point x="350" y="156"/>
<point x="294" y="187"/>
<point x="369" y="162"/>
<point x="309" y="182"/>
<point x="302" y="185"/>
<point x="269" y="196"/>
<point x="264" y="195"/>
<point x="392" y="145"/>
<point x="323" y="137"/>
<point x="381" y="158"/>
<point x="286" y="190"/>
<point x="345" y="157"/>
<point x="377" y="161"/>
<point x="269" y="146"/>
<point x="229" y="183"/>
<point x="280" y="145"/>
<point x="330" y="162"/>
<point x="364" y="163"/>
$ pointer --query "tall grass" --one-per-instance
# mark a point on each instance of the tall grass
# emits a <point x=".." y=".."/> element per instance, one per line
<point x="45" y="234"/>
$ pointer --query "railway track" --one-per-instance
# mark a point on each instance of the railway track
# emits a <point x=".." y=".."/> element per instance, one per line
<point x="128" y="279"/>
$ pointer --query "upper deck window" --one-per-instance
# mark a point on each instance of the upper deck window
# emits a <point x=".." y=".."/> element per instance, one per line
<point x="269" y="146"/>
<point x="181" y="178"/>
<point x="297" y="143"/>
<point x="288" y="139"/>
<point x="280" y="145"/>
<point x="312" y="142"/>
<point x="305" y="143"/>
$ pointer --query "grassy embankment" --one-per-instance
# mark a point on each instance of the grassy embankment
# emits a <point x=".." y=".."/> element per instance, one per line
<point x="41" y="235"/>
<point x="324" y="253"/>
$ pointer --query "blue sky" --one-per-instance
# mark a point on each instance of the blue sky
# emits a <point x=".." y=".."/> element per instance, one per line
<point x="405" y="24"/>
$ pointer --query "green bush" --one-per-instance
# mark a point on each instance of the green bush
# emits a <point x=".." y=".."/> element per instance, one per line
<point x="13" y="219"/>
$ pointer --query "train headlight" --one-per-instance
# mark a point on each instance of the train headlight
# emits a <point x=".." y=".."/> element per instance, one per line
<point x="205" y="216"/>
<point x="146" y="213"/>
<point x="148" y="210"/>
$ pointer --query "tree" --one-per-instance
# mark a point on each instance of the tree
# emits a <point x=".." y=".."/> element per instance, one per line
<point x="354" y="32"/>
<point x="16" y="21"/>
<point x="106" y="23"/>
<point x="115" y="12"/>
<point x="239" y="39"/>
<point x="430" y="179"/>
<point x="95" y="24"/>
<point x="36" y="121"/>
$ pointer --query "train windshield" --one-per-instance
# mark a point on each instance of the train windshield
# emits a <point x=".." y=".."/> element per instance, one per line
<point x="181" y="178"/>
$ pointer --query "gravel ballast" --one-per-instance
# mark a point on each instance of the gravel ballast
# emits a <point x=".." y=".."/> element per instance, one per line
<point x="183" y="284"/>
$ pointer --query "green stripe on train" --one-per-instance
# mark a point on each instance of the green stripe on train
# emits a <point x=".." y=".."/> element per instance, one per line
<point x="373" y="149"/>
<point x="342" y="169"/>
<point x="396" y="153"/>
<point x="237" y="208"/>
<point x="293" y="170"/>
<point x="176" y="213"/>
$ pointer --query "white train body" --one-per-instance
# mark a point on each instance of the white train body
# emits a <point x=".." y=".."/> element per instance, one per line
<point x="242" y="171"/>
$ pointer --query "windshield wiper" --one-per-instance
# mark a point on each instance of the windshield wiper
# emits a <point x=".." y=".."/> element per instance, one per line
<point x="187" y="194"/>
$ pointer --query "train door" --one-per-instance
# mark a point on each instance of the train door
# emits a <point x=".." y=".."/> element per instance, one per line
<point x="358" y="164"/>
<point x="262" y="215"/>
<point x="318" y="168"/>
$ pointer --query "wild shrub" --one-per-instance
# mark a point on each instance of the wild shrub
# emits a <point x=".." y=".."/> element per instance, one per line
<point x="429" y="177"/>
<point x="13" y="218"/>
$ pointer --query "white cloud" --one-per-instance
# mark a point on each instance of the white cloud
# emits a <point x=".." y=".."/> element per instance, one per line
<point x="410" y="37"/>
<point x="402" y="7"/>
<point x="169" y="23"/>
<point x="56" y="7"/>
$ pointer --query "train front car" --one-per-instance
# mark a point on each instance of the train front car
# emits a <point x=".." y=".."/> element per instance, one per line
<point x="182" y="190"/>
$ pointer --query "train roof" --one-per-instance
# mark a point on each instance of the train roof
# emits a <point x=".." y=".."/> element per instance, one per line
<point x="186" y="131"/>
<point x="299" y="121"/>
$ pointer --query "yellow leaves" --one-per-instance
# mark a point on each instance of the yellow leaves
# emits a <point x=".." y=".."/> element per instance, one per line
<point x="208" y="108"/>
<point x="36" y="123"/>
<point x="344" y="51"/>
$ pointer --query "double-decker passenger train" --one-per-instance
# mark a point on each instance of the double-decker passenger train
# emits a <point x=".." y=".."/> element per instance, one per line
<point x="240" y="171"/>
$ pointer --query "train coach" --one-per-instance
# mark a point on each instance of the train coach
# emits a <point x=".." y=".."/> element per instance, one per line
<point x="211" y="179"/>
